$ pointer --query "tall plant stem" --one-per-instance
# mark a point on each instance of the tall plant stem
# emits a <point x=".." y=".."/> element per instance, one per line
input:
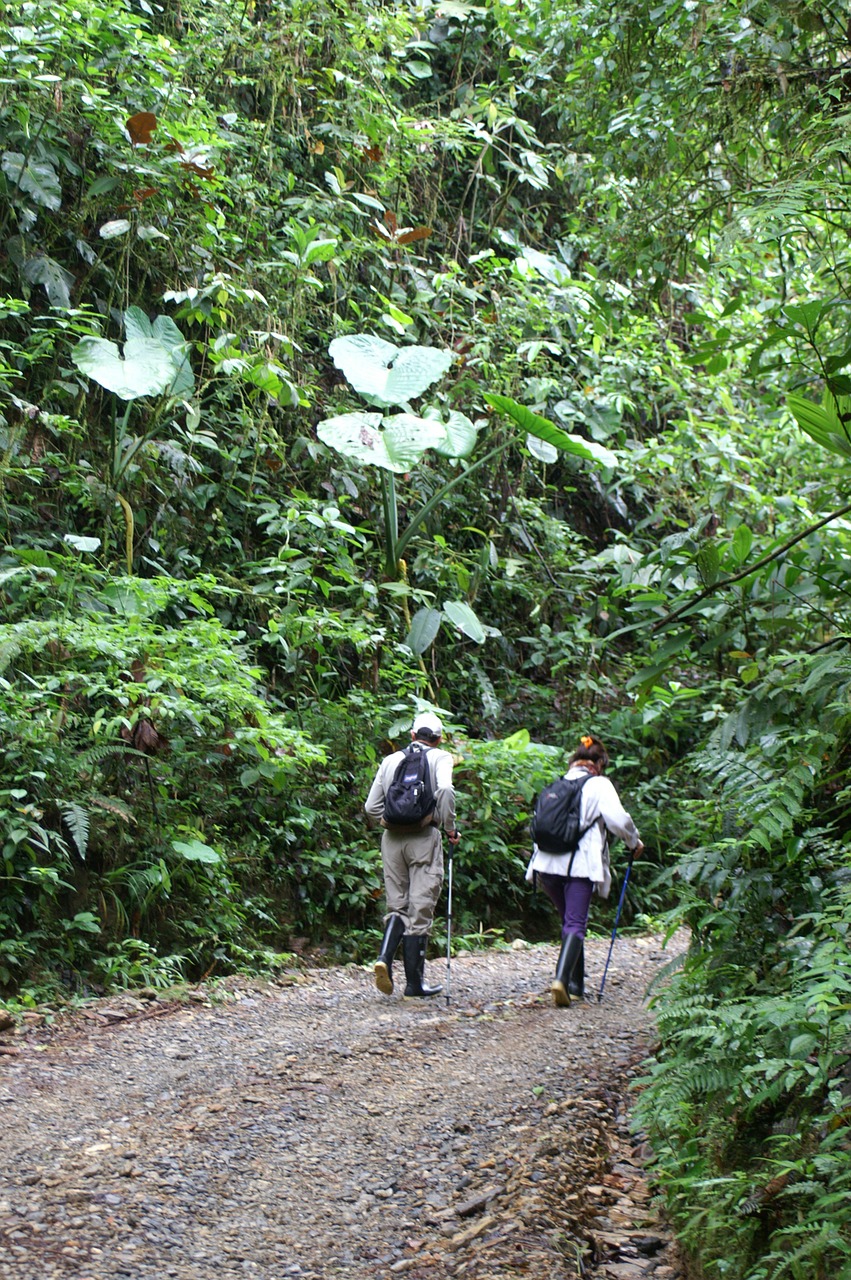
<point x="402" y="544"/>
<point x="392" y="550"/>
<point x="129" y="528"/>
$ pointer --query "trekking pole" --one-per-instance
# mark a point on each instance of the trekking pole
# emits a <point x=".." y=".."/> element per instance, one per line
<point x="617" y="918"/>
<point x="449" y="927"/>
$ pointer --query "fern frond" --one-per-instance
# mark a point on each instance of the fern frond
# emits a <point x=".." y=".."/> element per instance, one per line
<point x="9" y="650"/>
<point x="824" y="1237"/>
<point x="76" y="820"/>
<point x="695" y="1082"/>
<point x="111" y="805"/>
<point x="88" y="760"/>
<point x="673" y="966"/>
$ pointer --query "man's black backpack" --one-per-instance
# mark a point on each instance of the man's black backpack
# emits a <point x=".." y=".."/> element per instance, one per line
<point x="409" y="800"/>
<point x="555" y="822"/>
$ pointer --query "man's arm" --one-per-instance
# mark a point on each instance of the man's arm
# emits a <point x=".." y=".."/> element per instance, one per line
<point x="374" y="807"/>
<point x="444" y="794"/>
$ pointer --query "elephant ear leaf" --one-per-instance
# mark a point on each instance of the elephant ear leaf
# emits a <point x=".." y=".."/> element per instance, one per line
<point x="459" y="433"/>
<point x="145" y="368"/>
<point x="388" y="374"/>
<point x="395" y="444"/>
<point x="542" y="429"/>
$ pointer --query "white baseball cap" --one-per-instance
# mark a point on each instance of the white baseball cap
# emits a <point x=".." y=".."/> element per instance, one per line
<point x="430" y="722"/>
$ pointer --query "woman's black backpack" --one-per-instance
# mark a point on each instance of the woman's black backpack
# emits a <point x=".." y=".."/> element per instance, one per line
<point x="555" y="823"/>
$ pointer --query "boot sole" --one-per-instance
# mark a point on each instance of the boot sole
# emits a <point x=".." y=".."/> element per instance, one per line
<point x="382" y="978"/>
<point x="561" y="995"/>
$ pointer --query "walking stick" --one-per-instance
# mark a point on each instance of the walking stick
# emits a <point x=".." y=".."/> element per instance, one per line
<point x="617" y="918"/>
<point x="449" y="927"/>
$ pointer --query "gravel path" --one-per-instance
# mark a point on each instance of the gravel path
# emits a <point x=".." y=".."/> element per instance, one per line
<point x="313" y="1128"/>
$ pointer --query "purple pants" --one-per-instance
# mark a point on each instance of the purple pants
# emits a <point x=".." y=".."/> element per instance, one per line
<point x="571" y="897"/>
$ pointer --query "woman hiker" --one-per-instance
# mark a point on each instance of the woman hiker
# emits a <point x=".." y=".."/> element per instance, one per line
<point x="570" y="879"/>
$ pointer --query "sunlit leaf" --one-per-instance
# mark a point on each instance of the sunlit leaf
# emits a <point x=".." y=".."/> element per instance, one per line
<point x="541" y="450"/>
<point x="195" y="851"/>
<point x="397" y="446"/>
<point x="545" y="430"/>
<point x="145" y="368"/>
<point x="460" y="613"/>
<point x="392" y="375"/>
<point x="81" y="544"/>
<point x="425" y="625"/>
<point x="110" y="230"/>
<point x="460" y="434"/>
<point x="821" y="423"/>
<point x="742" y="543"/>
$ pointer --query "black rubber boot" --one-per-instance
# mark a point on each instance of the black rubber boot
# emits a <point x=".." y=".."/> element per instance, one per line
<point x="576" y="982"/>
<point x="569" y="954"/>
<point x="413" y="952"/>
<point x="393" y="931"/>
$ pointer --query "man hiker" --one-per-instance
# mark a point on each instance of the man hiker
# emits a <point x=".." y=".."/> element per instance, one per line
<point x="412" y="797"/>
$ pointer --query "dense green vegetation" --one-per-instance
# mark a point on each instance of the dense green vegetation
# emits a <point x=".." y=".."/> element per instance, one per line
<point x="359" y="358"/>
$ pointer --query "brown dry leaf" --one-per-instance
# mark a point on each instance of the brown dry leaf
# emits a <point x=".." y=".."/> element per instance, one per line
<point x="416" y="233"/>
<point x="141" y="128"/>
<point x="197" y="169"/>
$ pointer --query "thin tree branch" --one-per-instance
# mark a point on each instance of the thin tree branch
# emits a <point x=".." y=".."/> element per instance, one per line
<point x="746" y="573"/>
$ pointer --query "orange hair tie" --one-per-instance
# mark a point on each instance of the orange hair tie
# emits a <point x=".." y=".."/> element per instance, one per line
<point x="586" y="741"/>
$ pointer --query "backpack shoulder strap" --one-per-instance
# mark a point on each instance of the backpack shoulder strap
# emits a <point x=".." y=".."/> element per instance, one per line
<point x="582" y="830"/>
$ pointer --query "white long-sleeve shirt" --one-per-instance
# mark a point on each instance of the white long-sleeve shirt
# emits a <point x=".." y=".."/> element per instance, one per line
<point x="601" y="812"/>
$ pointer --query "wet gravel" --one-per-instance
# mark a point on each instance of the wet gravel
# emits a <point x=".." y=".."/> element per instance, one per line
<point x="314" y="1128"/>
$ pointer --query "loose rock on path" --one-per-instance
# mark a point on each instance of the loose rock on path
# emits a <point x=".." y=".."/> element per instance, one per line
<point x="315" y="1129"/>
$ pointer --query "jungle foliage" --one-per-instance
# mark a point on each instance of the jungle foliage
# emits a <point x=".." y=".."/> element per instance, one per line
<point x="494" y="358"/>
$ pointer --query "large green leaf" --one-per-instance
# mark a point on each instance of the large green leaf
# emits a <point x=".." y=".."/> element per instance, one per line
<point x="460" y="434"/>
<point x="547" y="431"/>
<point x="541" y="450"/>
<point x="56" y="280"/>
<point x="425" y="625"/>
<point x="742" y="543"/>
<point x="386" y="373"/>
<point x="196" y="851"/>
<point x="145" y="369"/>
<point x="36" y="178"/>
<point x="155" y="360"/>
<point x="395" y="443"/>
<point x="821" y="423"/>
<point x="465" y="620"/>
<point x="164" y="331"/>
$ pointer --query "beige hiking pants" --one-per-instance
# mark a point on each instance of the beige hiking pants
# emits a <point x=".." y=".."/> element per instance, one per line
<point x="413" y="876"/>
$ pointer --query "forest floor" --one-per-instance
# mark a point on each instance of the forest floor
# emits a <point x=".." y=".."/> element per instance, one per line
<point x="314" y="1128"/>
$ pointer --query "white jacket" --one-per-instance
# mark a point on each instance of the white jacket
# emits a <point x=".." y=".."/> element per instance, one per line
<point x="601" y="812"/>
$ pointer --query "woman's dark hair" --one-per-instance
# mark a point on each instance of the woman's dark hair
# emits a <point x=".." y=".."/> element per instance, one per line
<point x="591" y="748"/>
